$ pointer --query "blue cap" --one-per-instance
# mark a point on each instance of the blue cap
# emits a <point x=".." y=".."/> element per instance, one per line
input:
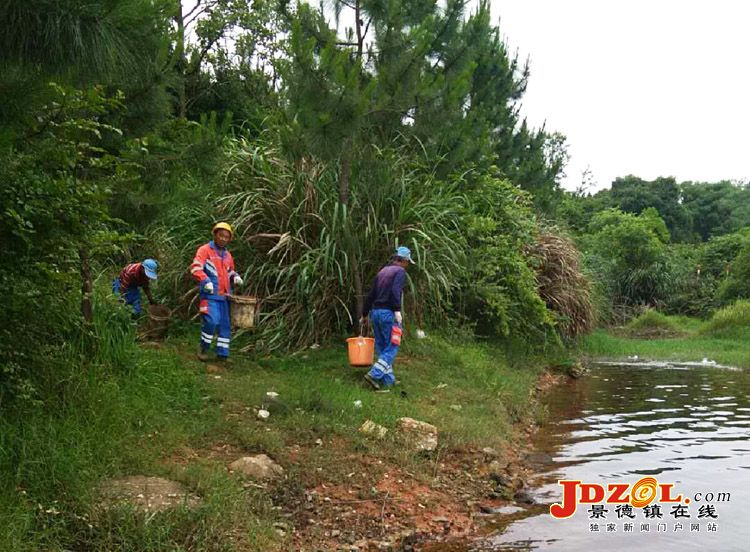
<point x="404" y="253"/>
<point x="150" y="267"/>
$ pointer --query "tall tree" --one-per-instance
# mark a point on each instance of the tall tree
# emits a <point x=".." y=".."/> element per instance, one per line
<point x="121" y="43"/>
<point x="419" y="69"/>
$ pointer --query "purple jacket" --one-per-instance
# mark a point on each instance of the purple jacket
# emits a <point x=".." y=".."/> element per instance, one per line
<point x="386" y="289"/>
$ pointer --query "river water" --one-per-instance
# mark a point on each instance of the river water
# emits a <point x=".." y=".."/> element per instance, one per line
<point x="686" y="425"/>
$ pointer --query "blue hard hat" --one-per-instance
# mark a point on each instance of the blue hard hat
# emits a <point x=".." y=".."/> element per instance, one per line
<point x="150" y="266"/>
<point x="404" y="253"/>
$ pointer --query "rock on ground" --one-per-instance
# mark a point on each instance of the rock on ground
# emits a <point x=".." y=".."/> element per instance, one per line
<point x="371" y="428"/>
<point x="419" y="435"/>
<point x="257" y="467"/>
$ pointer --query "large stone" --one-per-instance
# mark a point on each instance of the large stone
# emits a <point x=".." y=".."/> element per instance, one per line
<point x="419" y="435"/>
<point x="257" y="467"/>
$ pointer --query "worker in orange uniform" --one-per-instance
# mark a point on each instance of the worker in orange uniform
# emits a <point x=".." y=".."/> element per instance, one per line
<point x="213" y="268"/>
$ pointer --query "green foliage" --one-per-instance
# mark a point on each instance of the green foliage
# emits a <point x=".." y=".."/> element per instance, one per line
<point x="737" y="284"/>
<point x="716" y="208"/>
<point x="692" y="292"/>
<point x="53" y="214"/>
<point x="174" y="166"/>
<point x="720" y="251"/>
<point x="652" y="323"/>
<point x="82" y="44"/>
<point x="629" y="256"/>
<point x="307" y="249"/>
<point x="634" y="195"/>
<point x="425" y="71"/>
<point x="728" y="321"/>
<point x="692" y="211"/>
<point x="500" y="291"/>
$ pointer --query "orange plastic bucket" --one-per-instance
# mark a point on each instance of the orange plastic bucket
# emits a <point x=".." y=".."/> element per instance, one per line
<point x="361" y="350"/>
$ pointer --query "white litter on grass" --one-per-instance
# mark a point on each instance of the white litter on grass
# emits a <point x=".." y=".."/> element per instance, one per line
<point x="421" y="334"/>
<point x="357" y="404"/>
<point x="272" y="394"/>
<point x="263" y="414"/>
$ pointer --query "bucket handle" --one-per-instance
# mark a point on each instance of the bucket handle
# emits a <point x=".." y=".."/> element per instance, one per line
<point x="366" y="327"/>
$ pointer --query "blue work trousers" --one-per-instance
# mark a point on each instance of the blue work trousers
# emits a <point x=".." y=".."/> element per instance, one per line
<point x="216" y="321"/>
<point x="131" y="296"/>
<point x="382" y="321"/>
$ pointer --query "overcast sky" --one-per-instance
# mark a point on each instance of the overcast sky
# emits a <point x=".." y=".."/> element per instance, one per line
<point x="644" y="87"/>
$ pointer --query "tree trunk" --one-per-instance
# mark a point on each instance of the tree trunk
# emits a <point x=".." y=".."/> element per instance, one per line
<point x="358" y="26"/>
<point x="180" y="61"/>
<point x="87" y="287"/>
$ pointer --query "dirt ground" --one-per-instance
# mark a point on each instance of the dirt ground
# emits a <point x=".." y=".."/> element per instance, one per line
<point x="381" y="505"/>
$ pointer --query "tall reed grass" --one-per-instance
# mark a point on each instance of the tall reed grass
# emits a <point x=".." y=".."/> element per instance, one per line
<point x="311" y="258"/>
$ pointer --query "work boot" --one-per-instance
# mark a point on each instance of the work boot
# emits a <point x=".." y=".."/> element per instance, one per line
<point x="203" y="356"/>
<point x="224" y="360"/>
<point x="369" y="379"/>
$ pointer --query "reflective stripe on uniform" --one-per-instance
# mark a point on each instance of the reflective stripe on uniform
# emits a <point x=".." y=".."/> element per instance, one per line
<point x="384" y="366"/>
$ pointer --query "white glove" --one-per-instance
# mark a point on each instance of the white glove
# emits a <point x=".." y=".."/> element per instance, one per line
<point x="209" y="288"/>
<point x="398" y="318"/>
<point x="238" y="281"/>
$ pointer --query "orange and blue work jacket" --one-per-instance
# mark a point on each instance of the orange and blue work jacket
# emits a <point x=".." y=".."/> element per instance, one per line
<point x="213" y="264"/>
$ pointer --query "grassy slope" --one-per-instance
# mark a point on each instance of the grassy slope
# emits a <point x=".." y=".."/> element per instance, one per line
<point x="170" y="417"/>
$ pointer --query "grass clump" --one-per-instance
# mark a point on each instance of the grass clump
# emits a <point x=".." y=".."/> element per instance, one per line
<point x="652" y="323"/>
<point x="563" y="285"/>
<point x="729" y="321"/>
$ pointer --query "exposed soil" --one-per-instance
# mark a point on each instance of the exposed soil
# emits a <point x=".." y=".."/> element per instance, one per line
<point x="385" y="507"/>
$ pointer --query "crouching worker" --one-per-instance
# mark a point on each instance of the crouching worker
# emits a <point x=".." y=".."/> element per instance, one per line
<point x="130" y="281"/>
<point x="384" y="307"/>
<point x="213" y="268"/>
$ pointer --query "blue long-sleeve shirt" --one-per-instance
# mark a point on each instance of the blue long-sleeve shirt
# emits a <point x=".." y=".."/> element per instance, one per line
<point x="386" y="289"/>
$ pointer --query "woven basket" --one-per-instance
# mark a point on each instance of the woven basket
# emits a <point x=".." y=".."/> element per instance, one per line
<point x="244" y="309"/>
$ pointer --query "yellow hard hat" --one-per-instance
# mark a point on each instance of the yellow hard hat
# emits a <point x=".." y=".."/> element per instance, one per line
<point x="222" y="226"/>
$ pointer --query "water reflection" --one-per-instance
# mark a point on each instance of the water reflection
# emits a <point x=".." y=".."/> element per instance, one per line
<point x="685" y="424"/>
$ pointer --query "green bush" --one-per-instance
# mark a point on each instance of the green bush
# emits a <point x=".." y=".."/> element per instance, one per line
<point x="631" y="256"/>
<point x="737" y="284"/>
<point x="729" y="320"/>
<point x="653" y="322"/>
<point x="499" y="288"/>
